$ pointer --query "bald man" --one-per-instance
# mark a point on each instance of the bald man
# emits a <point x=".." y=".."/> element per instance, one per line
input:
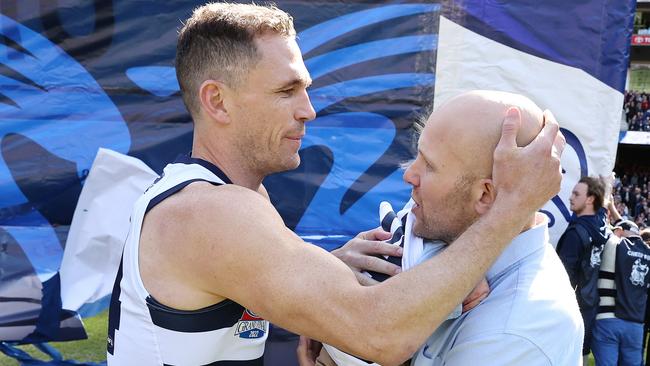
<point x="531" y="316"/>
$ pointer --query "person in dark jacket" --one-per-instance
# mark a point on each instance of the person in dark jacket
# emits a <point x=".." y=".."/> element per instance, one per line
<point x="623" y="283"/>
<point x="580" y="247"/>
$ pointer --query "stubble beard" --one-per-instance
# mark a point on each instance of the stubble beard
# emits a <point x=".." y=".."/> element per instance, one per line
<point x="447" y="226"/>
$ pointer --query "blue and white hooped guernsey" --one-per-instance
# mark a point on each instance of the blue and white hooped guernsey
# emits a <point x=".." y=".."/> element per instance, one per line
<point x="142" y="331"/>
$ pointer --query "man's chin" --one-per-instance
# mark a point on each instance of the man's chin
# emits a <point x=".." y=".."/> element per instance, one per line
<point x="288" y="164"/>
<point x="421" y="232"/>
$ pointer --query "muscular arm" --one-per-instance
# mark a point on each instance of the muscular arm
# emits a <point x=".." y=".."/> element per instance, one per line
<point x="229" y="242"/>
<point x="250" y="257"/>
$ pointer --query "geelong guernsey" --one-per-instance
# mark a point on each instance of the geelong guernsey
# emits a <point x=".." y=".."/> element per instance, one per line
<point x="142" y="331"/>
<point x="624" y="280"/>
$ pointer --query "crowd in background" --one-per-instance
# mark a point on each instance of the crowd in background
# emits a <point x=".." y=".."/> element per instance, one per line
<point x="631" y="193"/>
<point x="636" y="108"/>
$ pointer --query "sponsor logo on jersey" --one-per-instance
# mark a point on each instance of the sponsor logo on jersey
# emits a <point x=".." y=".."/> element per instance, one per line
<point x="250" y="326"/>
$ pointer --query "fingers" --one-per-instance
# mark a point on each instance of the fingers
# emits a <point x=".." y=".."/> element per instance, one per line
<point x="364" y="279"/>
<point x="380" y="248"/>
<point x="528" y="176"/>
<point x="370" y="263"/>
<point x="361" y="254"/>
<point x="303" y="352"/>
<point x="315" y="348"/>
<point x="551" y="128"/>
<point x="509" y="129"/>
<point x="478" y="294"/>
<point x="360" y="247"/>
<point x="474" y="303"/>
<point x="375" y="234"/>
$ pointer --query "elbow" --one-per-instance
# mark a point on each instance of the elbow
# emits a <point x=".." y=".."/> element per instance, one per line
<point x="394" y="354"/>
<point x="387" y="349"/>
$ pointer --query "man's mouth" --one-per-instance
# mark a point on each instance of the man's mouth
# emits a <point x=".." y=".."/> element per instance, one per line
<point x="296" y="138"/>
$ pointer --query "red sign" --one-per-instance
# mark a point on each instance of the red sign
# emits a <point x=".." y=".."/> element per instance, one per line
<point x="638" y="40"/>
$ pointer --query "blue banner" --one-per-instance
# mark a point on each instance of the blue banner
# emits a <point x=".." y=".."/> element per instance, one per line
<point x="76" y="76"/>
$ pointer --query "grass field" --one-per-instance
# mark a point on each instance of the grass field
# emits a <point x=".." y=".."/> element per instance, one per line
<point x="91" y="349"/>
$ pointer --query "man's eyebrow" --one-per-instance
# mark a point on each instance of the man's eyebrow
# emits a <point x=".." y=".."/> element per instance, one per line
<point x="298" y="81"/>
<point x="429" y="162"/>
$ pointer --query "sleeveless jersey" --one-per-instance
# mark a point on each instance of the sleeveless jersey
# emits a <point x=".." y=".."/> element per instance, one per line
<point x="142" y="331"/>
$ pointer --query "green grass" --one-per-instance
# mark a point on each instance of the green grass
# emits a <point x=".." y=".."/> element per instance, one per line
<point x="92" y="349"/>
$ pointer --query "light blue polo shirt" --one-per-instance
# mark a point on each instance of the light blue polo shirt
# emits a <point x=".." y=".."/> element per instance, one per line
<point x="531" y="316"/>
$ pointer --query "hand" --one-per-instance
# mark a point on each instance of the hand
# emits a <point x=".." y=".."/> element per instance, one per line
<point x="360" y="255"/>
<point x="307" y="351"/>
<point x="528" y="176"/>
<point x="478" y="294"/>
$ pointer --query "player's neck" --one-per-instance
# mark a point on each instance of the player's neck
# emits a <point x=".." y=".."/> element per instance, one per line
<point x="233" y="166"/>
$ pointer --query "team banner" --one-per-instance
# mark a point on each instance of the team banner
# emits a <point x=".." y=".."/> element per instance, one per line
<point x="81" y="76"/>
<point x="77" y="76"/>
<point x="549" y="53"/>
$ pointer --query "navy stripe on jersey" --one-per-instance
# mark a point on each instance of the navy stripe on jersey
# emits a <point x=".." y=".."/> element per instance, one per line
<point x="387" y="221"/>
<point x="224" y="314"/>
<point x="606" y="275"/>
<point x="607" y="292"/>
<point x="186" y="159"/>
<point x="398" y="235"/>
<point x="256" y="362"/>
<point x="114" y="310"/>
<point x="175" y="189"/>
<point x="606" y="309"/>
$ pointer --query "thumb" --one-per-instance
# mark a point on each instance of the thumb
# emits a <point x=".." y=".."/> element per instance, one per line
<point x="510" y="128"/>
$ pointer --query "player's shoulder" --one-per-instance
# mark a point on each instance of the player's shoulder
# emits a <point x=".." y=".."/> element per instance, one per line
<point x="207" y="207"/>
<point x="206" y="199"/>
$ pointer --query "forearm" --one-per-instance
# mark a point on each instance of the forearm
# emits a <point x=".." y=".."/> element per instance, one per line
<point x="403" y="311"/>
<point x="432" y="290"/>
<point x="615" y="215"/>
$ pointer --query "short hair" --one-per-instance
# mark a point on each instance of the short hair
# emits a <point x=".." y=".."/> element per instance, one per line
<point x="217" y="42"/>
<point x="596" y="189"/>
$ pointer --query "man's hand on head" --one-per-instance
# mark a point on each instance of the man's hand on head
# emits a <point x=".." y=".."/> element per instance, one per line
<point x="528" y="176"/>
<point x="360" y="254"/>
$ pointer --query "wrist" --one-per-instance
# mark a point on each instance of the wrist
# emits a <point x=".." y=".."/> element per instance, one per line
<point x="511" y="213"/>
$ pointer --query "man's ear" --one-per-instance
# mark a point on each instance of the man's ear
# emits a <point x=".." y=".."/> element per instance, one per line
<point x="486" y="193"/>
<point x="211" y="97"/>
<point x="590" y="200"/>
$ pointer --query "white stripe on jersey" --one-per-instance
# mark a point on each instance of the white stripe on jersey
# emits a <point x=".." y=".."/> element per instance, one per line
<point x="200" y="349"/>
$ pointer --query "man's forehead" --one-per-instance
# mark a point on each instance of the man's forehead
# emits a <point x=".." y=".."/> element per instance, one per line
<point x="281" y="61"/>
<point x="580" y="187"/>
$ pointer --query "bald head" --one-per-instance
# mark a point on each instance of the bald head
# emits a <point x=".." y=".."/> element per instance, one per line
<point x="469" y="126"/>
<point x="452" y="174"/>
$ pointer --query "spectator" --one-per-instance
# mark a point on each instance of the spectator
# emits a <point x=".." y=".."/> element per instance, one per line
<point x="622" y="286"/>
<point x="580" y="247"/>
<point x="636" y="109"/>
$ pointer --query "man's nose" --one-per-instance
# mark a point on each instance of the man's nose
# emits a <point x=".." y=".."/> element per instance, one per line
<point x="305" y="111"/>
<point x="411" y="177"/>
